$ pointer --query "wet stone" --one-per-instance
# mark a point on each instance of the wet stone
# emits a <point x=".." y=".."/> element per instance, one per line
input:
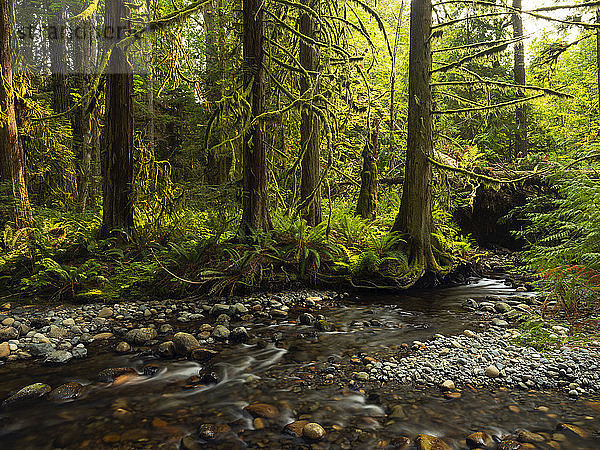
<point x="401" y="442"/>
<point x="479" y="440"/>
<point x="105" y="313"/>
<point x="573" y="430"/>
<point x="239" y="335"/>
<point x="32" y="391"/>
<point x="209" y="431"/>
<point x="58" y="357"/>
<point x="492" y="372"/>
<point x="203" y="354"/>
<point x="528" y="436"/>
<point x="262" y="410"/>
<point x="166" y="349"/>
<point x="183" y="343"/>
<point x="67" y="391"/>
<point x="428" y="442"/>
<point x="221" y="332"/>
<point x="140" y="335"/>
<point x="306" y="319"/>
<point x="110" y="374"/>
<point x="313" y="431"/>
<point x="295" y="428"/>
<point x="123" y="347"/>
<point x="4" y="349"/>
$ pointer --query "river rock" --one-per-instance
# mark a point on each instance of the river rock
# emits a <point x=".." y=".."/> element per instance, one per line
<point x="68" y="322"/>
<point x="295" y="428"/>
<point x="140" y="335"/>
<point x="528" y="436"/>
<point x="4" y="350"/>
<point x="202" y="354"/>
<point x="58" y="357"/>
<point x="8" y="333"/>
<point x="32" y="391"/>
<point x="479" y="440"/>
<point x="218" y="309"/>
<point x="306" y="319"/>
<point x="210" y="431"/>
<point x="79" y="351"/>
<point x="401" y="442"/>
<point x="469" y="333"/>
<point x="313" y="431"/>
<point x="428" y="442"/>
<point x="184" y="343"/>
<point x="110" y="374"/>
<point x="40" y="349"/>
<point x="513" y="445"/>
<point x="492" y="372"/>
<point x="105" y="313"/>
<point x="221" y="332"/>
<point x="67" y="391"/>
<point x="57" y="332"/>
<point x="448" y="385"/>
<point x="262" y="410"/>
<point x="123" y="347"/>
<point x="166" y="349"/>
<point x="239" y="335"/>
<point x="502" y="307"/>
<point x="102" y="336"/>
<point x="567" y="429"/>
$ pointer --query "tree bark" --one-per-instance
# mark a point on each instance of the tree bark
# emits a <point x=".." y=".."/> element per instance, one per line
<point x="414" y="218"/>
<point x="12" y="157"/>
<point x="520" y="144"/>
<point x="598" y="58"/>
<point x="218" y="164"/>
<point x="367" y="199"/>
<point x="310" y="126"/>
<point x="57" y="11"/>
<point x="84" y="119"/>
<point x="255" y="206"/>
<point x="117" y="165"/>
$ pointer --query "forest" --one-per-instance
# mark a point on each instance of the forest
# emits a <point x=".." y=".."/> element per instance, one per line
<point x="219" y="146"/>
<point x="299" y="224"/>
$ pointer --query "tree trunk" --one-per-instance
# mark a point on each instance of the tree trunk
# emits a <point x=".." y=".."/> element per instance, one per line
<point x="255" y="209"/>
<point x="57" y="34"/>
<point x="367" y="199"/>
<point x="84" y="119"/>
<point x="12" y="157"/>
<point x="218" y="164"/>
<point x="598" y="57"/>
<point x="520" y="148"/>
<point x="414" y="218"/>
<point x="310" y="126"/>
<point x="118" y="158"/>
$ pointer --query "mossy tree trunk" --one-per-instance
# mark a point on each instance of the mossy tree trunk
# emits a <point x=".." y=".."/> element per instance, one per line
<point x="414" y="218"/>
<point x="310" y="126"/>
<point x="57" y="33"/>
<point x="117" y="203"/>
<point x="367" y="199"/>
<point x="12" y="157"/>
<point x="218" y="163"/>
<point x="255" y="205"/>
<point x="84" y="118"/>
<point x="520" y="140"/>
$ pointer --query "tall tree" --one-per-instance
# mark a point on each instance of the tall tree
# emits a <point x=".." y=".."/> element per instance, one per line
<point x="255" y="206"/>
<point x="367" y="198"/>
<point x="310" y="126"/>
<point x="57" y="33"/>
<point x="12" y="157"/>
<point x="415" y="218"/>
<point x="84" y="120"/>
<point x="117" y="164"/>
<point x="520" y="142"/>
<point x="217" y="167"/>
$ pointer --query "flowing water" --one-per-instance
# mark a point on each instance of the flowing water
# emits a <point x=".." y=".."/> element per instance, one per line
<point x="157" y="411"/>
